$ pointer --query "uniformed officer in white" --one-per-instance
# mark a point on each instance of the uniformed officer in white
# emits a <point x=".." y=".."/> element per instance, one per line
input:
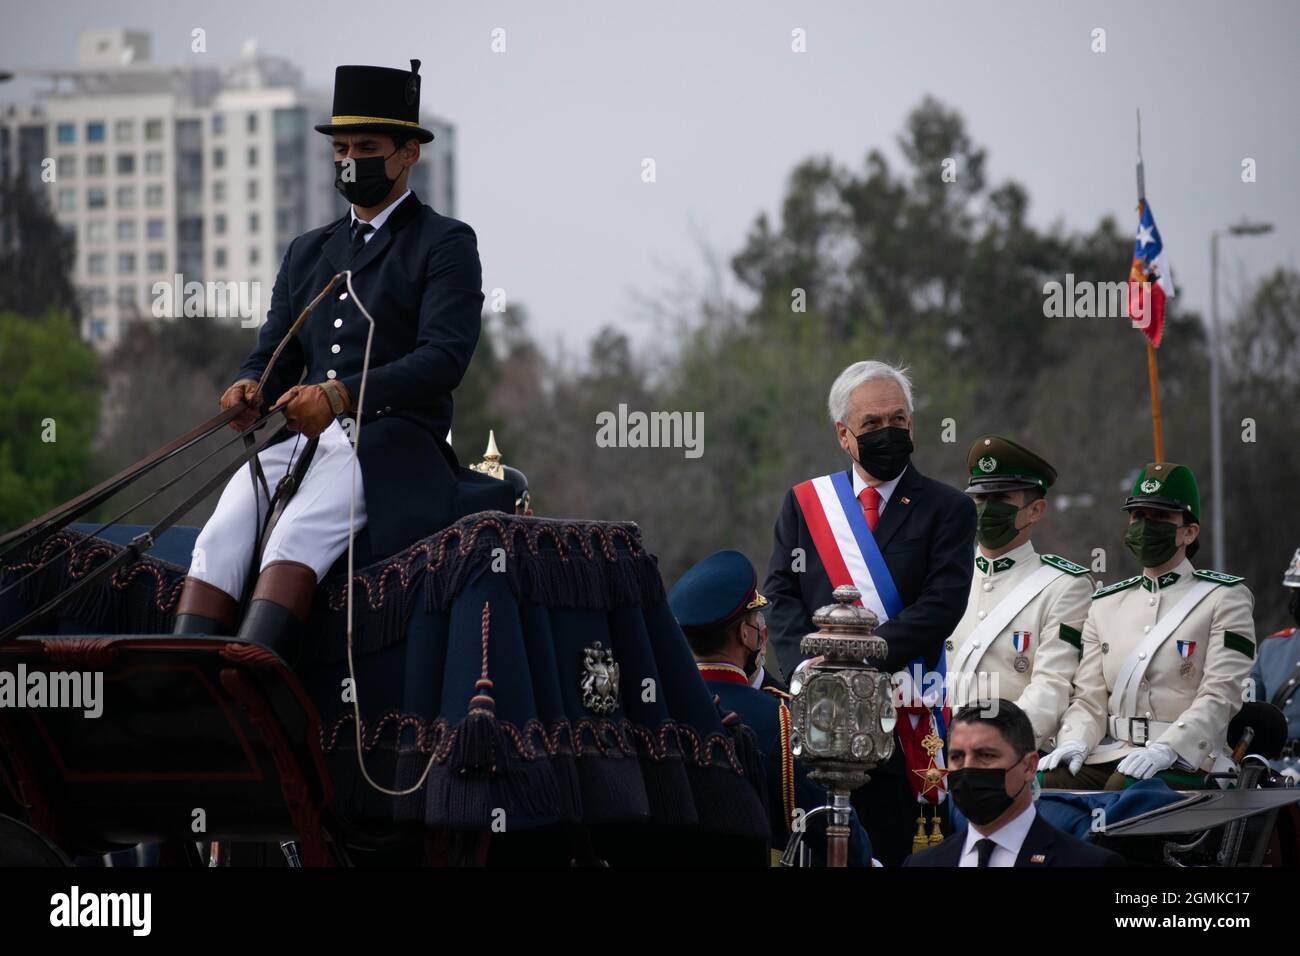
<point x="1020" y="637"/>
<point x="1165" y="654"/>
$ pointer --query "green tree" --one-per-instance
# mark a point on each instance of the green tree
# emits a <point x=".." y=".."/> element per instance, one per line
<point x="48" y="412"/>
<point x="36" y="257"/>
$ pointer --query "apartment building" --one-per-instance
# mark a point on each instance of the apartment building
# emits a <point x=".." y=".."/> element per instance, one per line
<point x="203" y="171"/>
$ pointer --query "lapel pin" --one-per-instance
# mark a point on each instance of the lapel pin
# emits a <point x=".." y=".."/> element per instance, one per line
<point x="906" y="501"/>
<point x="1038" y="858"/>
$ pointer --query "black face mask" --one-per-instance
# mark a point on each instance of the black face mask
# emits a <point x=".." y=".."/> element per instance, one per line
<point x="981" y="793"/>
<point x="371" y="184"/>
<point x="755" y="657"/>
<point x="884" y="453"/>
<point x="995" y="523"/>
<point x="1152" y="542"/>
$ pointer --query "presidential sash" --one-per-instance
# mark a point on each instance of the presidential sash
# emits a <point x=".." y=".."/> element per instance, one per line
<point x="849" y="553"/>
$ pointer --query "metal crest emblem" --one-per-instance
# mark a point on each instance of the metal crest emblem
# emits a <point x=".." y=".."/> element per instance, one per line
<point x="1150" y="486"/>
<point x="988" y="463"/>
<point x="599" y="681"/>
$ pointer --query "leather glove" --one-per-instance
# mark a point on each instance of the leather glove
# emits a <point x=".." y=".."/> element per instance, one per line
<point x="1072" y="753"/>
<point x="1147" y="762"/>
<point x="244" y="390"/>
<point x="307" y="408"/>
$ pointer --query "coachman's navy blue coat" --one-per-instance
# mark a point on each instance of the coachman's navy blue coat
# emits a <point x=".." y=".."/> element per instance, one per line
<point x="420" y="278"/>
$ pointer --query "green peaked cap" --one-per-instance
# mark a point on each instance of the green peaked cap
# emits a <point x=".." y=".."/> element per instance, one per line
<point x="1167" y="486"/>
<point x="999" y="464"/>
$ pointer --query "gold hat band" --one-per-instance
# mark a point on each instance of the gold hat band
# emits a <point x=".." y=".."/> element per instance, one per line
<point x="358" y="120"/>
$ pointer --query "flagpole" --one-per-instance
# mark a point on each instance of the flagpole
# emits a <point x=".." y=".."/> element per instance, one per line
<point x="1153" y="375"/>
<point x="1153" y="378"/>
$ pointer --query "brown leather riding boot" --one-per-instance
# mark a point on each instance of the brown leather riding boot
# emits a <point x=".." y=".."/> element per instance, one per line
<point x="280" y="605"/>
<point x="204" y="609"/>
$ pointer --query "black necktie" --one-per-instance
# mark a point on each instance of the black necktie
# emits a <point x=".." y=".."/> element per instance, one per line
<point x="985" y="849"/>
<point x="359" y="232"/>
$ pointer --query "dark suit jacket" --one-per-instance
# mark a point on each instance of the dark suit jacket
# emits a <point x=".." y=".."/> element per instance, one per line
<point x="928" y="544"/>
<point x="419" y="277"/>
<point x="1044" y="846"/>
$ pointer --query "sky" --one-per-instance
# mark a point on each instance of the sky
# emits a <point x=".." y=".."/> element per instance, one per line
<point x="552" y="132"/>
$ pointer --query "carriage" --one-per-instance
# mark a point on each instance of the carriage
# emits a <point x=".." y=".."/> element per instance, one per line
<point x="512" y="689"/>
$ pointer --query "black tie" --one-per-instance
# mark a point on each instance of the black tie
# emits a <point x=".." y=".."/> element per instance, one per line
<point x="359" y="232"/>
<point x="985" y="849"/>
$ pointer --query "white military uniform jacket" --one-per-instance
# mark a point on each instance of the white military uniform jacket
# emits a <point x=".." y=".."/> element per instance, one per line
<point x="1031" y="656"/>
<point x="1182" y="691"/>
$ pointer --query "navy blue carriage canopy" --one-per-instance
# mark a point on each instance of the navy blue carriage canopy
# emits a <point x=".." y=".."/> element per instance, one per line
<point x="486" y="650"/>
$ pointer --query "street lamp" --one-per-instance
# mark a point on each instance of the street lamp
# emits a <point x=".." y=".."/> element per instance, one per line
<point x="1242" y="228"/>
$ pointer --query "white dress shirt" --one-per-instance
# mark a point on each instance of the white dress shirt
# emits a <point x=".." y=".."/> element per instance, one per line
<point x="1008" y="838"/>
<point x="885" y="488"/>
<point x="380" y="219"/>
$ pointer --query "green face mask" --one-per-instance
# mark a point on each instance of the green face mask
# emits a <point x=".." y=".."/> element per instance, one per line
<point x="1152" y="542"/>
<point x="995" y="523"/>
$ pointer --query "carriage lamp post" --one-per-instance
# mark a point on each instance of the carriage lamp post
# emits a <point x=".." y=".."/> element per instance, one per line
<point x="842" y="708"/>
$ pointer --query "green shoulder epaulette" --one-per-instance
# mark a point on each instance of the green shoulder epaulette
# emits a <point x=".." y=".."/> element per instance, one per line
<point x="778" y="694"/>
<point x="1218" y="577"/>
<point x="1056" y="561"/>
<point x="1117" y="586"/>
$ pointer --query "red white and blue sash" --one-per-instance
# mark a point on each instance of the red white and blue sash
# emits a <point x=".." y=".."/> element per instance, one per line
<point x="849" y="553"/>
<point x="845" y="544"/>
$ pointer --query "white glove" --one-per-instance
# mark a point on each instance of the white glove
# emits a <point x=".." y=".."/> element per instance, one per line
<point x="1071" y="753"/>
<point x="1147" y="762"/>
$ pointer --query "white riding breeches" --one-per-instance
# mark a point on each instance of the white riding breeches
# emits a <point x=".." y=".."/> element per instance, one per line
<point x="313" y="529"/>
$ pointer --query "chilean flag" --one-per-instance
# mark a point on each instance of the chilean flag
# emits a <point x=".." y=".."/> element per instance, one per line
<point x="1150" y="266"/>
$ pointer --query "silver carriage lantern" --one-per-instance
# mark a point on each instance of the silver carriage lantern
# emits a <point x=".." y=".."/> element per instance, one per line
<point x="842" y="707"/>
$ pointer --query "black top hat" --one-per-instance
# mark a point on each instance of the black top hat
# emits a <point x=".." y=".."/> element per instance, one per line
<point x="377" y="99"/>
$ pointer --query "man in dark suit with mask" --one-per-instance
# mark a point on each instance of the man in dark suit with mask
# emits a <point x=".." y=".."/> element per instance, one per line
<point x="993" y="760"/>
<point x="905" y="541"/>
<point x="417" y="273"/>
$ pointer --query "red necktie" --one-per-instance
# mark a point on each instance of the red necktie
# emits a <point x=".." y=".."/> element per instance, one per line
<point x="870" y="499"/>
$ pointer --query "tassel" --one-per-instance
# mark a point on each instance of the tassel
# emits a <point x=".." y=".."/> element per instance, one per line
<point x="480" y="744"/>
<point x="935" y="836"/>
<point x="920" y="841"/>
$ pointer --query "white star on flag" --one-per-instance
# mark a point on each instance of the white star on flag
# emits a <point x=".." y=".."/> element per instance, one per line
<point x="1145" y="235"/>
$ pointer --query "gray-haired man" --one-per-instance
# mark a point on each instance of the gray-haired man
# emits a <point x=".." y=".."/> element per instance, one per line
<point x="905" y="541"/>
